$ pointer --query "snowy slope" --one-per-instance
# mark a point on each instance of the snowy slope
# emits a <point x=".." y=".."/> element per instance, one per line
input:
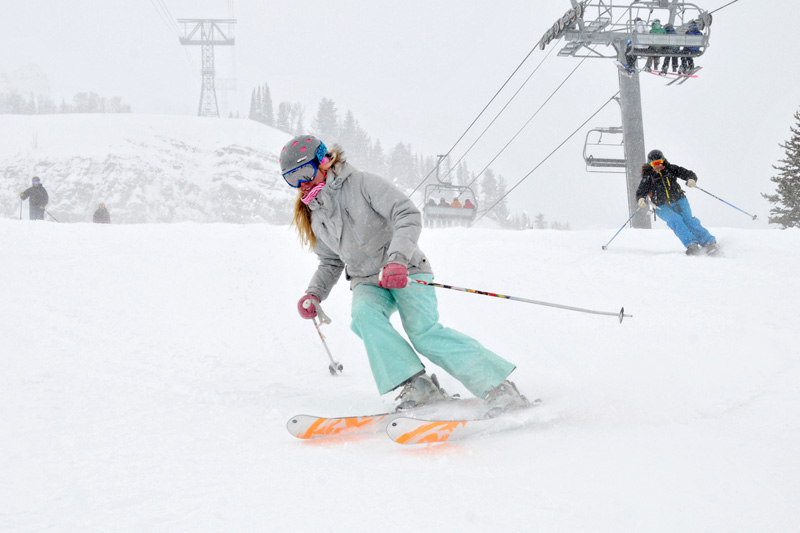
<point x="148" y="372"/>
<point x="144" y="168"/>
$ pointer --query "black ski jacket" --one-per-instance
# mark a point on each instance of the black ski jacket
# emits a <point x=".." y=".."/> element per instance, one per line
<point x="662" y="187"/>
<point x="37" y="195"/>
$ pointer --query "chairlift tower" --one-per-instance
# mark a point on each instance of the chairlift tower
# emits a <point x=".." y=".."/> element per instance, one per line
<point x="208" y="33"/>
<point x="604" y="29"/>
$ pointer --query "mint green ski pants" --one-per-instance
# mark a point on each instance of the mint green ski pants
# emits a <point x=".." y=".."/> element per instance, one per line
<point x="394" y="361"/>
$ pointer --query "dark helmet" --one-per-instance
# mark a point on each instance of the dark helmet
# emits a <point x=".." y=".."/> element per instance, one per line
<point x="655" y="155"/>
<point x="301" y="150"/>
<point x="35" y="180"/>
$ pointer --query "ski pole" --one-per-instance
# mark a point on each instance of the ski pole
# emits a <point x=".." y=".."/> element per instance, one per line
<point x="724" y="202"/>
<point x="621" y="313"/>
<point x="51" y="216"/>
<point x="334" y="367"/>
<point x="20" y="208"/>
<point x="621" y="228"/>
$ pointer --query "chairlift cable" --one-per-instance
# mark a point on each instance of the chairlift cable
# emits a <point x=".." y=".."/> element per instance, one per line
<point x="499" y="112"/>
<point x="526" y="124"/>
<point x="723" y="7"/>
<point x="167" y="18"/>
<point x="546" y="158"/>
<point x="476" y="119"/>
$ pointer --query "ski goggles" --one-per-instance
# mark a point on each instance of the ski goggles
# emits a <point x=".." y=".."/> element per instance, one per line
<point x="302" y="174"/>
<point x="657" y="163"/>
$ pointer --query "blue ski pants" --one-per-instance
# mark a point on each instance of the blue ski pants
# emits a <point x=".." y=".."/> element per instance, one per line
<point x="680" y="220"/>
<point x="392" y="358"/>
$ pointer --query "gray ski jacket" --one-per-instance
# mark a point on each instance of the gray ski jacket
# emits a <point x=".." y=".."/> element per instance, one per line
<point x="361" y="223"/>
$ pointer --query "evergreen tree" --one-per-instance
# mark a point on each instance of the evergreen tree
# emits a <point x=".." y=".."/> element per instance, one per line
<point x="45" y="105"/>
<point x="254" y="108"/>
<point x="267" y="113"/>
<point x="377" y="159"/>
<point x="502" y="206"/>
<point x="786" y="210"/>
<point x="539" y="222"/>
<point x="363" y="143"/>
<point x="348" y="134"/>
<point x="296" y="113"/>
<point x="282" y="121"/>
<point x="401" y="167"/>
<point x="325" y="124"/>
<point x="30" y="106"/>
<point x="462" y="174"/>
<point x="490" y="191"/>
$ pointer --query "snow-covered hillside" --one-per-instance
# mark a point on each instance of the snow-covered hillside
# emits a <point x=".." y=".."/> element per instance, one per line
<point x="144" y="168"/>
<point x="148" y="372"/>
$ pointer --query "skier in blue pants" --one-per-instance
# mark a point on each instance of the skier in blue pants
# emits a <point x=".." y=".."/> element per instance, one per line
<point x="660" y="184"/>
<point x="361" y="224"/>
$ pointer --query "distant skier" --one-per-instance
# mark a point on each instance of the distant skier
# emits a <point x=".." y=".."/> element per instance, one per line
<point x="361" y="224"/>
<point x="38" y="199"/>
<point x="101" y="215"/>
<point x="660" y="184"/>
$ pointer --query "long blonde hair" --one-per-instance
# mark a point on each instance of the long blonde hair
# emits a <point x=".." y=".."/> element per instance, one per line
<point x="301" y="217"/>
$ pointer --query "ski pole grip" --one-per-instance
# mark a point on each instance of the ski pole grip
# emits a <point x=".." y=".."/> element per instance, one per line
<point x="323" y="318"/>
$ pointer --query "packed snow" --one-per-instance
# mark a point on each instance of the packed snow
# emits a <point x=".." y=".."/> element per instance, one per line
<point x="148" y="372"/>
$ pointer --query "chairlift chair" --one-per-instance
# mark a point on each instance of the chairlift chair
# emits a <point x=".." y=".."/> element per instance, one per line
<point x="435" y="215"/>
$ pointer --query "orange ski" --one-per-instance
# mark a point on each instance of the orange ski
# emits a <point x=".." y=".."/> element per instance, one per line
<point x="312" y="427"/>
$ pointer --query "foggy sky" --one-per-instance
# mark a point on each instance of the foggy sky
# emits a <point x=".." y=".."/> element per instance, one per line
<point x="419" y="72"/>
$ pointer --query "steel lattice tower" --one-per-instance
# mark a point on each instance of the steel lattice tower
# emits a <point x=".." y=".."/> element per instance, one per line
<point x="207" y="33"/>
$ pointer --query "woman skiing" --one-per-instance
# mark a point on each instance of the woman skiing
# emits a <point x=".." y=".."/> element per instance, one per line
<point x="359" y="223"/>
<point x="660" y="184"/>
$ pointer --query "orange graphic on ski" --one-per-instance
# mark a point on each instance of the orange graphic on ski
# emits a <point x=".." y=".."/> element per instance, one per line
<point x="432" y="432"/>
<point x="331" y="426"/>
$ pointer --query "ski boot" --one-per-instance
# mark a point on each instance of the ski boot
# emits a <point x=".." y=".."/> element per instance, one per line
<point x="711" y="248"/>
<point x="505" y="397"/>
<point x="693" y="249"/>
<point x="420" y="390"/>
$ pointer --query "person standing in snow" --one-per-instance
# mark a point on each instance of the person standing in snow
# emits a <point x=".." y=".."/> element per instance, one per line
<point x="101" y="215"/>
<point x="660" y="184"/>
<point x="38" y="199"/>
<point x="361" y="224"/>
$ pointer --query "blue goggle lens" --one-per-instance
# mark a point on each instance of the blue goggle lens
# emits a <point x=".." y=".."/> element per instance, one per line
<point x="302" y="174"/>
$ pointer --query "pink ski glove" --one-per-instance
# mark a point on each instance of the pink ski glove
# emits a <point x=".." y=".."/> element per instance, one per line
<point x="393" y="276"/>
<point x="310" y="311"/>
